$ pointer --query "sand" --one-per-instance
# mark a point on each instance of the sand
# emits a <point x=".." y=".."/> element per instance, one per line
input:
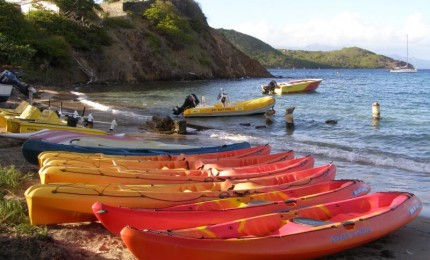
<point x="92" y="241"/>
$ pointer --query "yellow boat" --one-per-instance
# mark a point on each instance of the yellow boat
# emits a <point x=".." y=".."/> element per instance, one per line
<point x="295" y="86"/>
<point x="9" y="123"/>
<point x="48" y="119"/>
<point x="14" y="111"/>
<point x="241" y="108"/>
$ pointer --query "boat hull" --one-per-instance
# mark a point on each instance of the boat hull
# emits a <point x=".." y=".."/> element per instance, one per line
<point x="249" y="107"/>
<point x="217" y="211"/>
<point x="33" y="147"/>
<point x="5" y="92"/>
<point x="54" y="174"/>
<point x="289" y="235"/>
<point x="67" y="203"/>
<point x="46" y="157"/>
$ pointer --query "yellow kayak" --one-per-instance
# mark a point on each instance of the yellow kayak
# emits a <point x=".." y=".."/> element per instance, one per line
<point x="241" y="108"/>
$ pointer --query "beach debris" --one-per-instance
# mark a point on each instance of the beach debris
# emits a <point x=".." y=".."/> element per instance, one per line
<point x="245" y="124"/>
<point x="331" y="122"/>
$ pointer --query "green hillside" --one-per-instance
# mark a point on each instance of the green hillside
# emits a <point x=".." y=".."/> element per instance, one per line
<point x="269" y="57"/>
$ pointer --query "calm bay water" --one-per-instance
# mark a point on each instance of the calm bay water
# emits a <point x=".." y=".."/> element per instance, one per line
<point x="392" y="154"/>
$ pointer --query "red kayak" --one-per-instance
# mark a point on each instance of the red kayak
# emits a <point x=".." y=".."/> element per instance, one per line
<point x="306" y="233"/>
<point x="222" y="210"/>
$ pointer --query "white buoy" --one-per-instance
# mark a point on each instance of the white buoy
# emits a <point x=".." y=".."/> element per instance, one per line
<point x="376" y="114"/>
<point x="112" y="125"/>
<point x="90" y="121"/>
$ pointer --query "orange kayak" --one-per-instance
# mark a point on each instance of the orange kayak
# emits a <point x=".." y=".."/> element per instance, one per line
<point x="71" y="202"/>
<point x="47" y="156"/>
<point x="198" y="164"/>
<point x="222" y="210"/>
<point x="305" y="233"/>
<point x="52" y="174"/>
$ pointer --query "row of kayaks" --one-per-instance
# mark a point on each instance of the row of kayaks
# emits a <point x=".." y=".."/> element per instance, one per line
<point x="234" y="201"/>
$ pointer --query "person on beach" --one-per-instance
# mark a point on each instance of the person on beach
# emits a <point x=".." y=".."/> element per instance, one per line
<point x="223" y="97"/>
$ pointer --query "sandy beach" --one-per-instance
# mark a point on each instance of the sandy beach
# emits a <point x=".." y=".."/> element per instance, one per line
<point x="92" y="241"/>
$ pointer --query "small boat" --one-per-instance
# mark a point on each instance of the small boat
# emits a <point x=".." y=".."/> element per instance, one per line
<point x="49" y="119"/>
<point x="55" y="174"/>
<point x="186" y="164"/>
<point x="46" y="157"/>
<point x="408" y="68"/>
<point x="222" y="210"/>
<point x="5" y="92"/>
<point x="295" y="86"/>
<point x="9" y="123"/>
<point x="241" y="108"/>
<point x="71" y="202"/>
<point x="305" y="233"/>
<point x="33" y="147"/>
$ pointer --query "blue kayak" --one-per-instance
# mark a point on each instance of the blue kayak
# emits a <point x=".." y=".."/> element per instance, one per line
<point x="33" y="147"/>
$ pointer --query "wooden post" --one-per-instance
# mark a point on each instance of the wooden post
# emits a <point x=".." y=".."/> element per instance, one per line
<point x="180" y="126"/>
<point x="269" y="116"/>
<point x="289" y="119"/>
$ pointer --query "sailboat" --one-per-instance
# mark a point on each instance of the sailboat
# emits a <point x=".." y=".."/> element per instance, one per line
<point x="405" y="69"/>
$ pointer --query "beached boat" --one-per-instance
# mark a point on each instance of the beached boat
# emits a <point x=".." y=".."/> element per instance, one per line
<point x="240" y="108"/>
<point x="306" y="233"/>
<point x="33" y="147"/>
<point x="295" y="86"/>
<point x="46" y="157"/>
<point x="9" y="123"/>
<point x="49" y="119"/>
<point x="222" y="210"/>
<point x="55" y="174"/>
<point x="14" y="111"/>
<point x="71" y="202"/>
<point x="5" y="92"/>
<point x="187" y="164"/>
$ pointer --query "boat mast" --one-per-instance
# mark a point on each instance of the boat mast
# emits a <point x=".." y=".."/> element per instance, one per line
<point x="407" y="51"/>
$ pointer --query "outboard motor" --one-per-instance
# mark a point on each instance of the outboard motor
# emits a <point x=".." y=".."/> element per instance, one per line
<point x="8" y="77"/>
<point x="270" y="89"/>
<point x="190" y="102"/>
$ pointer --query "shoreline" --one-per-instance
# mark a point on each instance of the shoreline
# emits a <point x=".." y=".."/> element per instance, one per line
<point x="92" y="241"/>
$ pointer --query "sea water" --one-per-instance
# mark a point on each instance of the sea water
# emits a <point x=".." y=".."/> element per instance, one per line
<point x="392" y="153"/>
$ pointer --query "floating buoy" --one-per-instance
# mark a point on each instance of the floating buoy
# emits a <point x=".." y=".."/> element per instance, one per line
<point x="375" y="111"/>
<point x="112" y="125"/>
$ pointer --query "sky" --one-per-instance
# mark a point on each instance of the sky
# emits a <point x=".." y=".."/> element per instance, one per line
<point x="380" y="26"/>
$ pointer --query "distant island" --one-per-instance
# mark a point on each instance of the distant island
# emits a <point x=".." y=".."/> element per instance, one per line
<point x="349" y="58"/>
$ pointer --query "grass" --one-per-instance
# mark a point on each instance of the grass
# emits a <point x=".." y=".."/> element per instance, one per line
<point x="13" y="209"/>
